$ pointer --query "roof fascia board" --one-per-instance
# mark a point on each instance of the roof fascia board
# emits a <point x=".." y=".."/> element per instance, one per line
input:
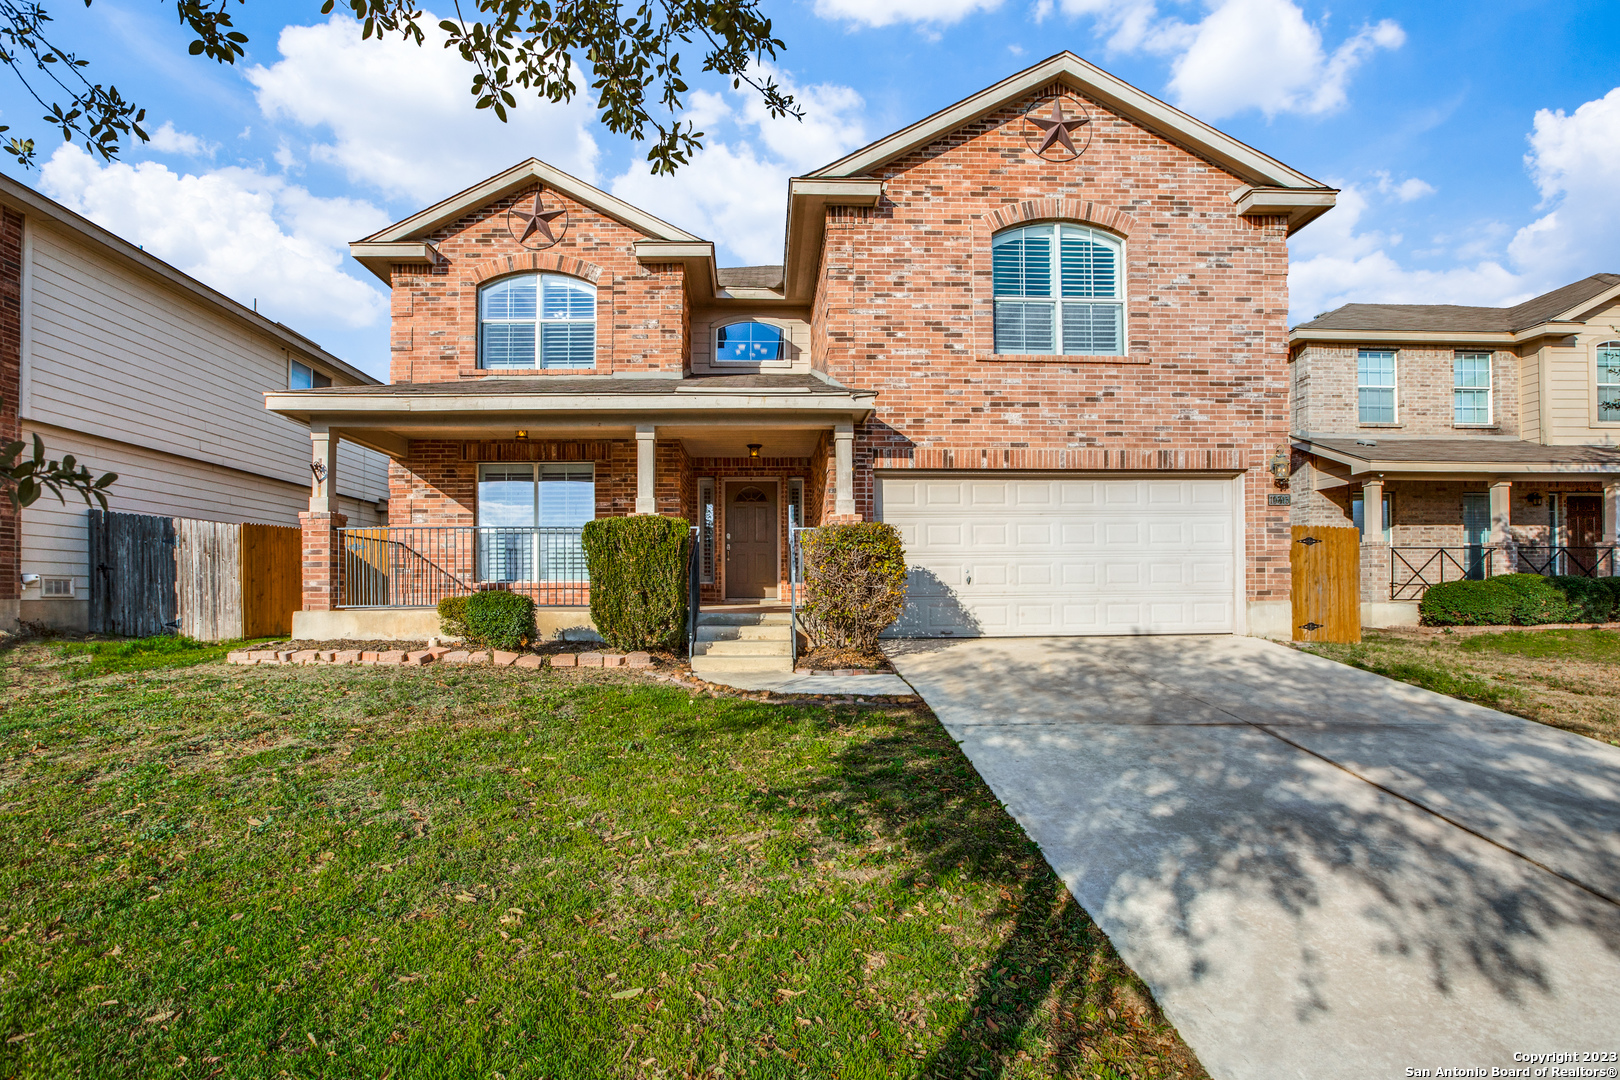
<point x="520" y="175"/>
<point x="380" y="257"/>
<point x="329" y="406"/>
<point x="1300" y="206"/>
<point x="30" y="202"/>
<point x="808" y="199"/>
<point x="1242" y="160"/>
<point x="1397" y="337"/>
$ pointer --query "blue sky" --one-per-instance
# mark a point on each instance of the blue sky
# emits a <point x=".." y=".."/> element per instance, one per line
<point x="1478" y="145"/>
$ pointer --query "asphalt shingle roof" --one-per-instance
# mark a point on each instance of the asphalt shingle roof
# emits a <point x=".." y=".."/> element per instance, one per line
<point x="1470" y="450"/>
<point x="749" y="277"/>
<point x="1455" y="318"/>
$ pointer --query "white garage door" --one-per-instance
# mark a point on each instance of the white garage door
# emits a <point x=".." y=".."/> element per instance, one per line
<point x="1033" y="556"/>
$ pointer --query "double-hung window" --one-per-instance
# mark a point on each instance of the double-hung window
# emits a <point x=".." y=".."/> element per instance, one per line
<point x="1375" y="386"/>
<point x="537" y="321"/>
<point x="1057" y="291"/>
<point x="529" y="517"/>
<point x="1608" y="380"/>
<point x="1471" y="389"/>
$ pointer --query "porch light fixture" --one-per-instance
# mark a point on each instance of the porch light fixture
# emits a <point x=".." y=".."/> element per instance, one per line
<point x="1281" y="467"/>
<point x="523" y="433"/>
<point x="753" y="449"/>
<point x="1534" y="498"/>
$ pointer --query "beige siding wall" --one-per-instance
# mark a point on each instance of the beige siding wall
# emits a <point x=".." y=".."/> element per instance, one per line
<point x="706" y="321"/>
<point x="55" y="536"/>
<point x="114" y="354"/>
<point x="1571" y="383"/>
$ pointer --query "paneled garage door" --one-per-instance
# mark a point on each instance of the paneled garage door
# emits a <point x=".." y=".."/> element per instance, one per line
<point x="1031" y="555"/>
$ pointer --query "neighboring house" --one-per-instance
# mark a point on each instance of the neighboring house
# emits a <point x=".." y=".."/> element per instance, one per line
<point x="132" y="367"/>
<point x="1042" y="331"/>
<point x="1486" y="435"/>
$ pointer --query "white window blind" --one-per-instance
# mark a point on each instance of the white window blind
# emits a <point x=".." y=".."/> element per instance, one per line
<point x="1057" y="291"/>
<point x="537" y="320"/>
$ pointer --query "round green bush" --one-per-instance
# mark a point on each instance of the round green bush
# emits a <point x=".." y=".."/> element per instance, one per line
<point x="1590" y="599"/>
<point x="854" y="583"/>
<point x="500" y="619"/>
<point x="1537" y="600"/>
<point x="638" y="567"/>
<point x="453" y="616"/>
<point x="1467" y="603"/>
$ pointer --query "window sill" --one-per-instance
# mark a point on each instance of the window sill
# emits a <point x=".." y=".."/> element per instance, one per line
<point x="1476" y="427"/>
<point x="1049" y="358"/>
<point x="1381" y="427"/>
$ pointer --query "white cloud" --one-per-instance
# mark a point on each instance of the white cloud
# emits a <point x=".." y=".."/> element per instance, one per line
<point x="1575" y="163"/>
<point x="167" y="140"/>
<point x="400" y="118"/>
<point x="734" y="191"/>
<point x="251" y="236"/>
<point x="888" y="12"/>
<point x="1405" y="190"/>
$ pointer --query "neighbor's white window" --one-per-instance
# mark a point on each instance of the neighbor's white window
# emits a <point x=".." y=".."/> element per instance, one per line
<point x="537" y="320"/>
<point x="1057" y="291"/>
<point x="1471" y="388"/>
<point x="706" y="523"/>
<point x="528" y="520"/>
<point x="1608" y="380"/>
<point x="304" y="377"/>
<point x="1375" y="386"/>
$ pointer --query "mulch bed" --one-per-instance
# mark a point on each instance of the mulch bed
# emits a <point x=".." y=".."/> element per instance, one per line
<point x="851" y="660"/>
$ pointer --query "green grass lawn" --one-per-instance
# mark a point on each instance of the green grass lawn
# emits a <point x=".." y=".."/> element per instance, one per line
<point x="1565" y="678"/>
<point x="361" y="872"/>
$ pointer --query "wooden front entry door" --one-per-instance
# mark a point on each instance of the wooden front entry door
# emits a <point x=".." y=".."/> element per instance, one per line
<point x="1583" y="532"/>
<point x="751" y="541"/>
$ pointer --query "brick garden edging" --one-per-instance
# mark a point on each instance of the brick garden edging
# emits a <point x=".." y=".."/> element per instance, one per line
<point x="436" y="655"/>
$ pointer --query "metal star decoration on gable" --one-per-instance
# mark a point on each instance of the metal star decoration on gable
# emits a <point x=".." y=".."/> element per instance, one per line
<point x="1056" y="131"/>
<point x="537" y="222"/>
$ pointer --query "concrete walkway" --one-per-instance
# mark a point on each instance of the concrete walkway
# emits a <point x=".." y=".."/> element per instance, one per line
<point x="1319" y="872"/>
<point x="788" y="683"/>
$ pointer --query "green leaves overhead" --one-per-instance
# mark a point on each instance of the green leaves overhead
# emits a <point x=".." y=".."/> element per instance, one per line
<point x="27" y="478"/>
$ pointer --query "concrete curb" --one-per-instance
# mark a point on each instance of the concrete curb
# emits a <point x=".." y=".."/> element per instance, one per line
<point x="436" y="655"/>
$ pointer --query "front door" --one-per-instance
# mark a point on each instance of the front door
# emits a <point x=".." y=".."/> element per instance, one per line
<point x="1583" y="532"/>
<point x="1476" y="515"/>
<point x="751" y="541"/>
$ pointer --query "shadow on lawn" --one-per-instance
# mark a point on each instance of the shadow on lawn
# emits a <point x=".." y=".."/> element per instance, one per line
<point x="917" y="785"/>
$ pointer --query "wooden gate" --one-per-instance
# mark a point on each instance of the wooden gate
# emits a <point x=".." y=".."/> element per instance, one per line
<point x="132" y="579"/>
<point x="1326" y="566"/>
<point x="208" y="577"/>
<point x="272" y="579"/>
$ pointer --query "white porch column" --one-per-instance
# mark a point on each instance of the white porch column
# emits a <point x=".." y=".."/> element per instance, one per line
<point x="1372" y="511"/>
<point x="323" y="472"/>
<point x="646" y="463"/>
<point x="1611" y="508"/>
<point x="1501" y="512"/>
<point x="844" y="469"/>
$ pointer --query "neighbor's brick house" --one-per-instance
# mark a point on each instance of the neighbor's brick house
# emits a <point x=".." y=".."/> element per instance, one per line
<point x="1063" y="375"/>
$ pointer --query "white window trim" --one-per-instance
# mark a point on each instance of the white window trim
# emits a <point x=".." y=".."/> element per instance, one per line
<point x="1611" y="418"/>
<point x="539" y="359"/>
<point x="1120" y="278"/>
<point x="1394" y="387"/>
<point x="1490" y="387"/>
<point x="46" y="581"/>
<point x="783" y="361"/>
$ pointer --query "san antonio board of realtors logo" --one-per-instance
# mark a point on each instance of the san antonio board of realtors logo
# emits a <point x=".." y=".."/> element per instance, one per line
<point x="533" y="225"/>
<point x="1057" y="128"/>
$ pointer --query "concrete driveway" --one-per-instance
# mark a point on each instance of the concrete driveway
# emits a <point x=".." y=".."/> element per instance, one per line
<point x="1319" y="872"/>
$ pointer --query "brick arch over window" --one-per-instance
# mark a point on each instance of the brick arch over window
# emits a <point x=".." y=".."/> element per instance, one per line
<point x="530" y="261"/>
<point x="1078" y="211"/>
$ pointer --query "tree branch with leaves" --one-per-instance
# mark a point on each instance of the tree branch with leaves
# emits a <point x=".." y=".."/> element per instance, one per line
<point x="27" y="478"/>
<point x="537" y="47"/>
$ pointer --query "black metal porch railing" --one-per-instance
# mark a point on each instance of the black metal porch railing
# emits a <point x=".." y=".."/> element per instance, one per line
<point x="1593" y="561"/>
<point x="1412" y="570"/>
<point x="419" y="565"/>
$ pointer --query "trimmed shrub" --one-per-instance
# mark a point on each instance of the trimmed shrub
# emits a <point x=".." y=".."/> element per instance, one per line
<point x="1590" y="599"/>
<point x="638" y="568"/>
<point x="854" y="584"/>
<point x="453" y="616"/>
<point x="1467" y="603"/>
<point x="1537" y="600"/>
<point x="500" y="619"/>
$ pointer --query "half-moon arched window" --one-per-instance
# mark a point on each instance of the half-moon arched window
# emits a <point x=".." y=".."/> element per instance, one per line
<point x="749" y="343"/>
<point x="1608" y="380"/>
<point x="1057" y="291"/>
<point x="537" y="320"/>
<point x="751" y="495"/>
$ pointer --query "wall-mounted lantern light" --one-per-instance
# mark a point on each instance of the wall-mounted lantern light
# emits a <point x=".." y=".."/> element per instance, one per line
<point x="753" y="449"/>
<point x="1281" y="467"/>
<point x="1534" y="498"/>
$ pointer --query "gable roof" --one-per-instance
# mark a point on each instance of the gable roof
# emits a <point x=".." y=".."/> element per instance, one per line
<point x="1140" y="107"/>
<point x="406" y="241"/>
<point x="1558" y="305"/>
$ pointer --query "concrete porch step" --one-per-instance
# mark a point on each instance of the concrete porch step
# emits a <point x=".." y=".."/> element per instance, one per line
<point x="702" y="665"/>
<point x="743" y="648"/>
<point x="745" y="618"/>
<point x="767" y="632"/>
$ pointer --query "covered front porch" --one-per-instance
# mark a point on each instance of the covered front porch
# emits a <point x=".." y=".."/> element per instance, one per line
<point x="1431" y="511"/>
<point x="492" y="481"/>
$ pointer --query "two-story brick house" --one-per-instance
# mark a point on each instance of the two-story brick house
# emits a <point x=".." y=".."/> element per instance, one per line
<point x="1042" y="331"/>
<point x="1487" y="436"/>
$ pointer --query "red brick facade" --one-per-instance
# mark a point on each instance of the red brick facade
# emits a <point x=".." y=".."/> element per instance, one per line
<point x="902" y="306"/>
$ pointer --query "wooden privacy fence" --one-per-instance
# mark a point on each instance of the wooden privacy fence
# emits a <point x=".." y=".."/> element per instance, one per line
<point x="1326" y="566"/>
<point x="209" y="580"/>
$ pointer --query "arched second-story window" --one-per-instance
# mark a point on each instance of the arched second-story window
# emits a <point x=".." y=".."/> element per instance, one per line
<point x="537" y="321"/>
<point x="1057" y="291"/>
<point x="749" y="343"/>
<point x="1608" y="380"/>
